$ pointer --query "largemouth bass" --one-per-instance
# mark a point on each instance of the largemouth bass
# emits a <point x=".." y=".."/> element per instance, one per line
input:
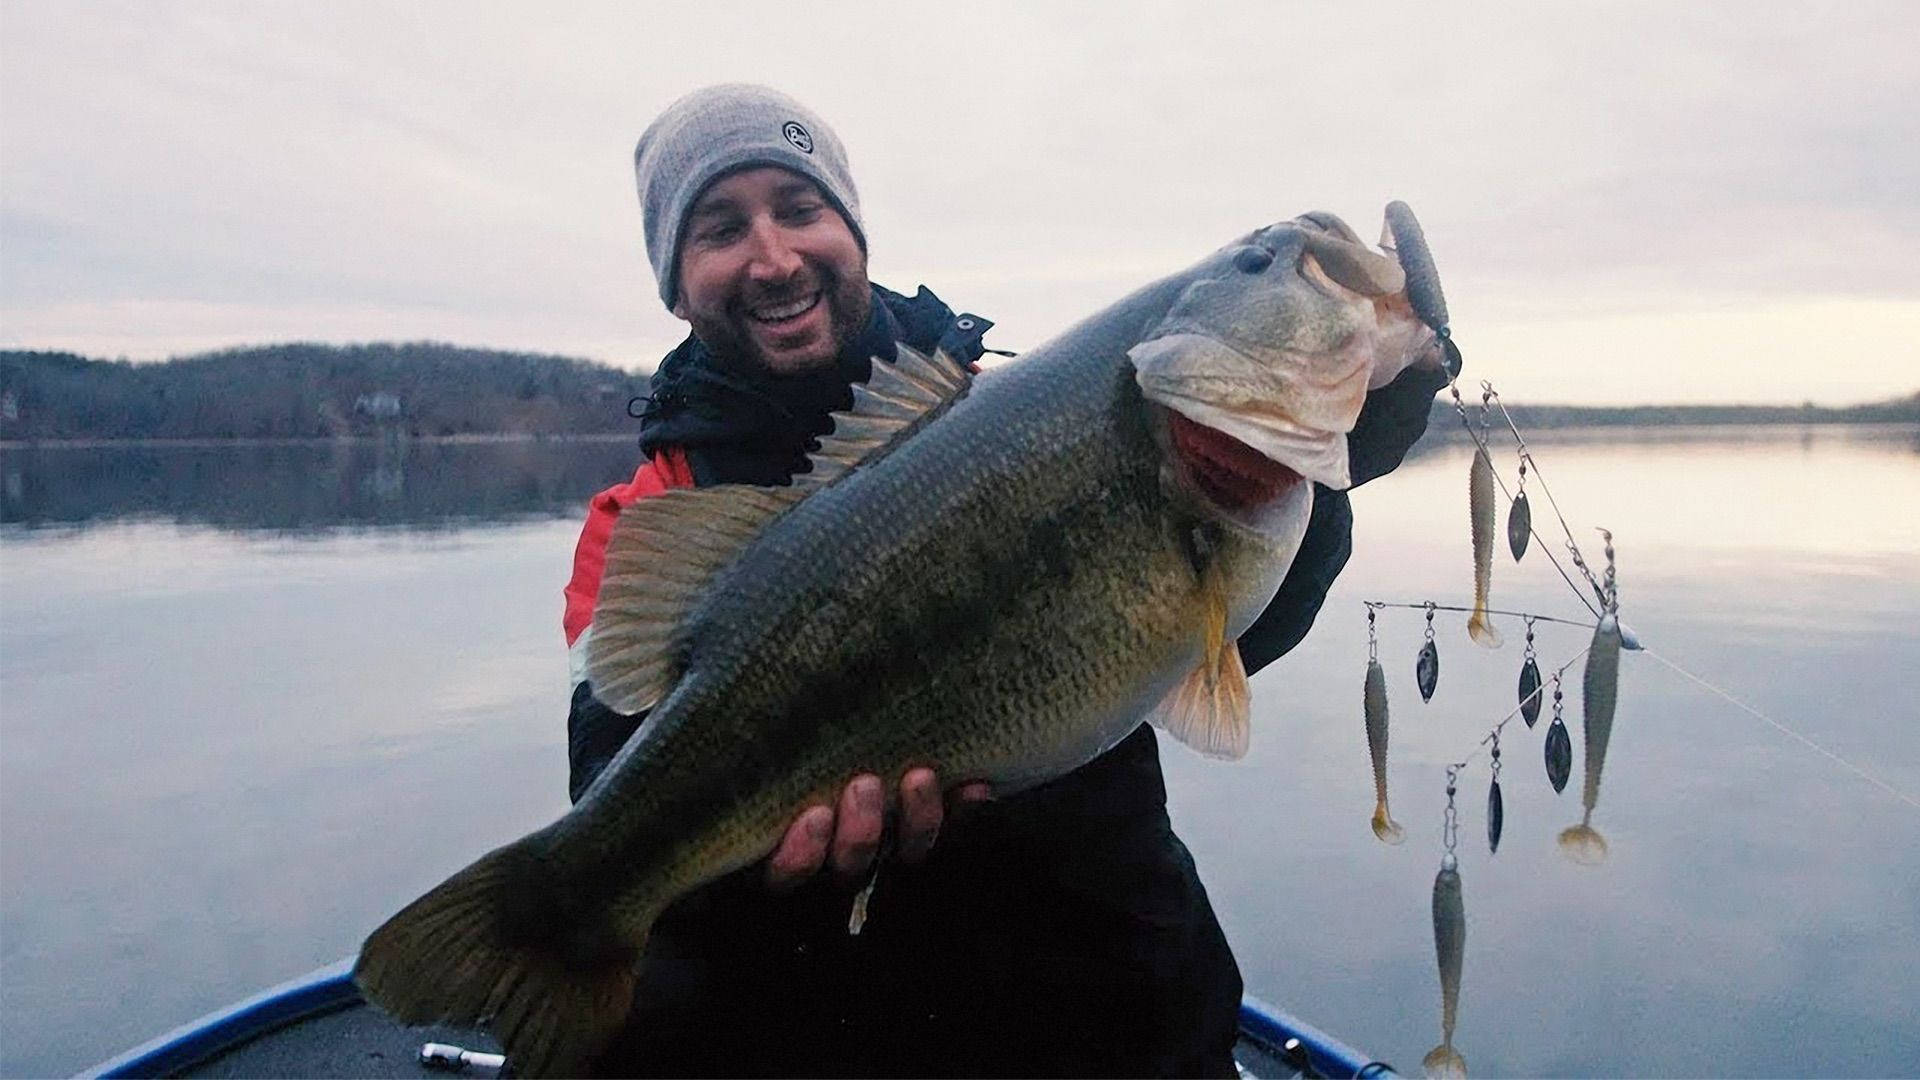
<point x="995" y="577"/>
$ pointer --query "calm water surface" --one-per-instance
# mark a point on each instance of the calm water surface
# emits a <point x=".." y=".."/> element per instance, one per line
<point x="254" y="699"/>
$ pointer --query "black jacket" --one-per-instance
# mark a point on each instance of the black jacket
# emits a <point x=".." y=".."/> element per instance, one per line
<point x="1060" y="931"/>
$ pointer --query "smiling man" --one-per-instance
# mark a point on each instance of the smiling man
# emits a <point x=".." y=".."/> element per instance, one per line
<point x="770" y="272"/>
<point x="1058" y="931"/>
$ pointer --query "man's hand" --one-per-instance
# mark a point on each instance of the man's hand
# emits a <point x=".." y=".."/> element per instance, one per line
<point x="848" y="839"/>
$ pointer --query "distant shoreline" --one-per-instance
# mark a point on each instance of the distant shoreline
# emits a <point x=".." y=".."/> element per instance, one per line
<point x="1440" y="427"/>
<point x="1450" y="430"/>
<point x="1542" y="417"/>
<point x="298" y="394"/>
<point x="335" y="440"/>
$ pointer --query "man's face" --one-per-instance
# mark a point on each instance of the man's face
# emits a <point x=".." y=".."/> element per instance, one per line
<point x="770" y="273"/>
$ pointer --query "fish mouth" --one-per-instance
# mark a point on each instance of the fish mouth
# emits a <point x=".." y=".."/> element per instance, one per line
<point x="1240" y="485"/>
<point x="1201" y="380"/>
<point x="1231" y="474"/>
<point x="1279" y="340"/>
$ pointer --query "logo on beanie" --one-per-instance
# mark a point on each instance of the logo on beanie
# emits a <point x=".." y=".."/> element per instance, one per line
<point x="798" y="136"/>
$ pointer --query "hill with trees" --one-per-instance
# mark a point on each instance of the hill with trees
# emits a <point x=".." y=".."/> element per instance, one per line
<point x="1892" y="411"/>
<point x="301" y="391"/>
<point x="429" y="390"/>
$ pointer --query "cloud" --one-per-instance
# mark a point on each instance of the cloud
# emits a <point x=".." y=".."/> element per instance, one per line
<point x="307" y="164"/>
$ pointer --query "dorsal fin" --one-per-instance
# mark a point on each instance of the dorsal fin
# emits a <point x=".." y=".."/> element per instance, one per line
<point x="662" y="553"/>
<point x="898" y="399"/>
<point x="665" y="549"/>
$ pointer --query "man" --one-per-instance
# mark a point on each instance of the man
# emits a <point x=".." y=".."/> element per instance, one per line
<point x="1061" y="930"/>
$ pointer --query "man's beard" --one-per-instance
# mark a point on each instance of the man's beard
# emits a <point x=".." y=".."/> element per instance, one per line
<point x="848" y="303"/>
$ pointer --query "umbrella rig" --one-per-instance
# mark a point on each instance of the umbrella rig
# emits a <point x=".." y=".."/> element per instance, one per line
<point x="1535" y="688"/>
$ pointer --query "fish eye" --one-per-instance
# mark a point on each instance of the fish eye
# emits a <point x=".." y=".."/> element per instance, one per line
<point x="1252" y="259"/>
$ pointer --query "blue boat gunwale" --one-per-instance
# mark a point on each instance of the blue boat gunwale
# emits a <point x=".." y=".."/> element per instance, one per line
<point x="330" y="988"/>
<point x="324" y="989"/>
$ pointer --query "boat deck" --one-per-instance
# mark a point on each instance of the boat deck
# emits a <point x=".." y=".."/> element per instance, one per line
<point x="318" y="1025"/>
<point x="359" y="1041"/>
<point x="353" y="1040"/>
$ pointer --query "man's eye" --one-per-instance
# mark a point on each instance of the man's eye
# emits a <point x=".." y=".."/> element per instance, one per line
<point x="803" y="211"/>
<point x="719" y="234"/>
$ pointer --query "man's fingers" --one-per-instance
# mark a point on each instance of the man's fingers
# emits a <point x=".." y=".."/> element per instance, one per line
<point x="803" y="850"/>
<point x="856" y="833"/>
<point x="848" y="838"/>
<point x="920" y="813"/>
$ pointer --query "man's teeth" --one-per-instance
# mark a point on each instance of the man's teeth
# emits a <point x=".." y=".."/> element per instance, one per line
<point x="778" y="312"/>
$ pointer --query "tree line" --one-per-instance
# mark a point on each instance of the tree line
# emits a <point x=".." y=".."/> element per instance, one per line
<point x="1894" y="410"/>
<point x="301" y="391"/>
<point x="427" y="389"/>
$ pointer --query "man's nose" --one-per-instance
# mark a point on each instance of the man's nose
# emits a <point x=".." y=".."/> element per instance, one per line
<point x="771" y="256"/>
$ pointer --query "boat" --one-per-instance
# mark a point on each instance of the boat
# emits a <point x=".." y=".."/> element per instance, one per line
<point x="319" y="1025"/>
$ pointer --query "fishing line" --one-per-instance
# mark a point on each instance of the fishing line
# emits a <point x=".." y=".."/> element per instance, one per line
<point x="1545" y="548"/>
<point x="1494" y="733"/>
<point x="1490" y="611"/>
<point x="1492" y="396"/>
<point x="1459" y="406"/>
<point x="1526" y="456"/>
<point x="1785" y="730"/>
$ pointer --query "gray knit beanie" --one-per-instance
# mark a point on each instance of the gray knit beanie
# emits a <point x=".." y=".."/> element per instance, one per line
<point x="718" y="130"/>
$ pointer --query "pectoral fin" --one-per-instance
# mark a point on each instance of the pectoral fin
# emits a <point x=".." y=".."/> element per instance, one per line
<point x="1210" y="709"/>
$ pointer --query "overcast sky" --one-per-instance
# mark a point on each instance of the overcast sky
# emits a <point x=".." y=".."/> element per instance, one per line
<point x="1628" y="202"/>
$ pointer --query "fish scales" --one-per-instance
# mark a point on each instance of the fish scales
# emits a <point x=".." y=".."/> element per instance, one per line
<point x="899" y="652"/>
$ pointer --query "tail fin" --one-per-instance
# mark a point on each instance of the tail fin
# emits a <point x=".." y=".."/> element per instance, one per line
<point x="497" y="943"/>
<point x="1444" y="1060"/>
<point x="1481" y="630"/>
<point x="1385" y="827"/>
<point x="1583" y="844"/>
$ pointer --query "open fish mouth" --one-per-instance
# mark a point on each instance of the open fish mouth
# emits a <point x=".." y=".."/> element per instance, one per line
<point x="1244" y="486"/>
<point x="1279" y="345"/>
<point x="1266" y="426"/>
<point x="1227" y="471"/>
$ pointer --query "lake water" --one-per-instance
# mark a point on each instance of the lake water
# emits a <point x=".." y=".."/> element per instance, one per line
<point x="253" y="699"/>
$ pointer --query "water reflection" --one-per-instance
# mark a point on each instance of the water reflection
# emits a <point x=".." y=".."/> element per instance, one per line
<point x="1880" y="437"/>
<point x="1688" y="492"/>
<point x="305" y="487"/>
<point x="1779" y="563"/>
<point x="224" y="758"/>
